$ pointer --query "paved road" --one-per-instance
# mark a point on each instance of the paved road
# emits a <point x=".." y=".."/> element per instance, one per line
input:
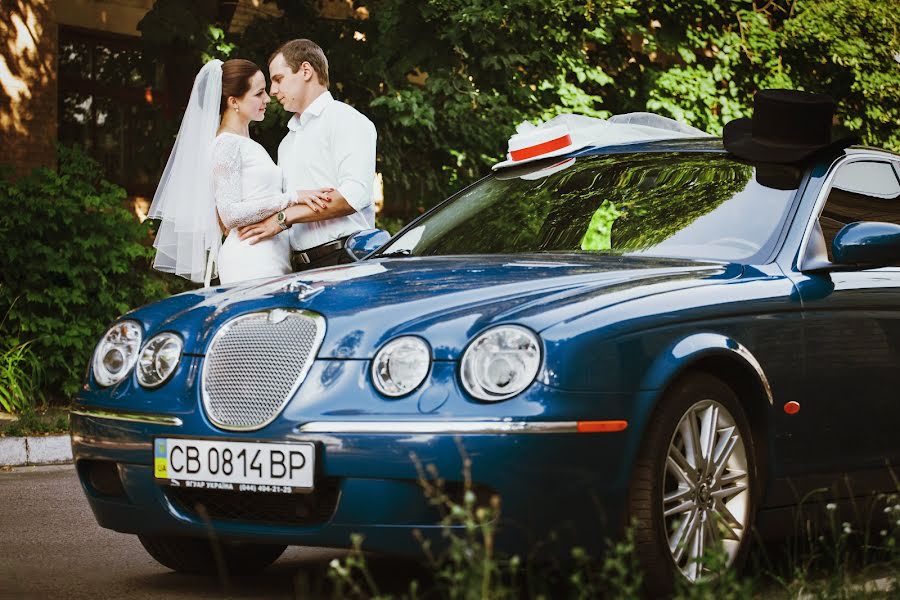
<point x="51" y="547"/>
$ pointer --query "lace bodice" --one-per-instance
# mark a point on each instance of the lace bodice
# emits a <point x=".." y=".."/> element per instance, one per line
<point x="246" y="183"/>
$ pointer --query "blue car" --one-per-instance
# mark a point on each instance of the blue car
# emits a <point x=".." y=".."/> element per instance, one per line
<point x="656" y="333"/>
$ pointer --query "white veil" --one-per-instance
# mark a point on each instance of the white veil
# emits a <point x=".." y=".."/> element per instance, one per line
<point x="188" y="240"/>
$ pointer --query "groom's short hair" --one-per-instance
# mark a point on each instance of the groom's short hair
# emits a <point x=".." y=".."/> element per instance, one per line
<point x="297" y="52"/>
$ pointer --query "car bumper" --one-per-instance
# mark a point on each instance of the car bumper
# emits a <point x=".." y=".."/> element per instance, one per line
<point x="553" y="482"/>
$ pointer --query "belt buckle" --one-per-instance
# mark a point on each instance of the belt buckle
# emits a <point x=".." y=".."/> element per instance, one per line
<point x="303" y="258"/>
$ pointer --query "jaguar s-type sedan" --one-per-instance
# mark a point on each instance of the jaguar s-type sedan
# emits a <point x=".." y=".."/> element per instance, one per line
<point x="656" y="333"/>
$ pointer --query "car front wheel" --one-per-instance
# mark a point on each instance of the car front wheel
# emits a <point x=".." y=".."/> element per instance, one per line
<point x="192" y="555"/>
<point x="694" y="485"/>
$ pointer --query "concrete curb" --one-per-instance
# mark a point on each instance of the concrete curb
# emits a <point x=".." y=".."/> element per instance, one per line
<point x="35" y="450"/>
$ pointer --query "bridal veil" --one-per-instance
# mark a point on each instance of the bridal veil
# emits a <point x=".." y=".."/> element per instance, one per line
<point x="188" y="240"/>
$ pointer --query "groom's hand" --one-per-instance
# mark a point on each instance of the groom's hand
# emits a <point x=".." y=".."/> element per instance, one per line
<point x="258" y="232"/>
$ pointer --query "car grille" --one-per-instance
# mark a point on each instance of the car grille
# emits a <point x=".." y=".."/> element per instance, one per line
<point x="254" y="365"/>
<point x="273" y="509"/>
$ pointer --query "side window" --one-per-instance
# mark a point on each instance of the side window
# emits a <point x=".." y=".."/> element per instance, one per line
<point x="861" y="191"/>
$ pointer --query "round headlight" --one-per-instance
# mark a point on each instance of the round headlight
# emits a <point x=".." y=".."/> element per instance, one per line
<point x="117" y="352"/>
<point x="158" y="360"/>
<point x="401" y="365"/>
<point x="501" y="362"/>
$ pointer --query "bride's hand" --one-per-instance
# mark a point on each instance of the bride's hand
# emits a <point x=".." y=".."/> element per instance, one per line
<point x="315" y="199"/>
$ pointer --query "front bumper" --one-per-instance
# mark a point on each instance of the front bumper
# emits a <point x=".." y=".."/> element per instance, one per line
<point x="551" y="480"/>
<point x="571" y="485"/>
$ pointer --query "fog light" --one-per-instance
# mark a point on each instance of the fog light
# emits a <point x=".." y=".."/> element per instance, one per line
<point x="103" y="477"/>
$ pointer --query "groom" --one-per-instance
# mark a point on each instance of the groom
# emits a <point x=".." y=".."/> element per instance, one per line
<point x="329" y="152"/>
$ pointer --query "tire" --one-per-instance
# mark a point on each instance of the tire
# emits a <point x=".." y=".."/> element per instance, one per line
<point x="197" y="556"/>
<point x="681" y="508"/>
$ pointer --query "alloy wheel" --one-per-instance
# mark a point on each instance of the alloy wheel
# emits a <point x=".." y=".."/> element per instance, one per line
<point x="706" y="489"/>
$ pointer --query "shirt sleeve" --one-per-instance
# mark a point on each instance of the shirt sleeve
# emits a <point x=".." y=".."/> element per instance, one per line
<point x="354" y="153"/>
<point x="227" y="189"/>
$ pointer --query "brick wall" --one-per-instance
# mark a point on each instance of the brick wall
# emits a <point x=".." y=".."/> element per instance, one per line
<point x="28" y="91"/>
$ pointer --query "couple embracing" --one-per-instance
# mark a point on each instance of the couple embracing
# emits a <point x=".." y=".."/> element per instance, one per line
<point x="278" y="218"/>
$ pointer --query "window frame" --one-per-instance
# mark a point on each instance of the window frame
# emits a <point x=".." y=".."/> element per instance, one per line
<point x="814" y="256"/>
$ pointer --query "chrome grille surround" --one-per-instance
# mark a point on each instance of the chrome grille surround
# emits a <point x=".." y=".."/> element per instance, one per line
<point x="255" y="364"/>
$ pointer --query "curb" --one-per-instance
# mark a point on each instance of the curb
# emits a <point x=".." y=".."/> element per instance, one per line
<point x="35" y="450"/>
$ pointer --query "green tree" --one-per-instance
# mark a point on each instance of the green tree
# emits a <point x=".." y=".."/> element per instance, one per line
<point x="73" y="259"/>
<point x="446" y="81"/>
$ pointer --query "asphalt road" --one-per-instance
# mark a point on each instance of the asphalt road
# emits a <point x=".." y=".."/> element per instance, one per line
<point x="51" y="547"/>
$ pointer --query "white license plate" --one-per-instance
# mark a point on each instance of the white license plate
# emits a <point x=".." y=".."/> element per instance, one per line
<point x="239" y="466"/>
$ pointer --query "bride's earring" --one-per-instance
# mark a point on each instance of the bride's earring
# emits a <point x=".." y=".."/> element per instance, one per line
<point x="236" y="109"/>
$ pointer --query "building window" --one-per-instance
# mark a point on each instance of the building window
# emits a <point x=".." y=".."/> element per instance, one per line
<point x="112" y="103"/>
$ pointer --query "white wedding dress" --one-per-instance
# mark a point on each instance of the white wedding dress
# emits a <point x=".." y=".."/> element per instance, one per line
<point x="247" y="189"/>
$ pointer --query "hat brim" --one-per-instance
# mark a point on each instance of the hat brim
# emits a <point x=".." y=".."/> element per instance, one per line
<point x="737" y="138"/>
<point x="562" y="151"/>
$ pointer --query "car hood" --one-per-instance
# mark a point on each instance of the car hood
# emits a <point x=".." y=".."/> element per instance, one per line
<point x="445" y="300"/>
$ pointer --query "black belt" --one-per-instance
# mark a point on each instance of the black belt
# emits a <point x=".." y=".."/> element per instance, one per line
<point x="322" y="250"/>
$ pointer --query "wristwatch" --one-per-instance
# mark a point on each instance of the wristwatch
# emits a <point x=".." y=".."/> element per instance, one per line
<point x="282" y="220"/>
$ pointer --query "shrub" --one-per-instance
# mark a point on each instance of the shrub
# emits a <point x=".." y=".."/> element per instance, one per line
<point x="73" y="258"/>
<point x="20" y="372"/>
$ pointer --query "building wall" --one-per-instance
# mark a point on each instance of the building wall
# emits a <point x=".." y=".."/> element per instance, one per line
<point x="114" y="16"/>
<point x="28" y="84"/>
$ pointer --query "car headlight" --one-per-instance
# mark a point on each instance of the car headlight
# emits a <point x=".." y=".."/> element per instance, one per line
<point x="117" y="352"/>
<point x="501" y="362"/>
<point x="159" y="358"/>
<point x="401" y="365"/>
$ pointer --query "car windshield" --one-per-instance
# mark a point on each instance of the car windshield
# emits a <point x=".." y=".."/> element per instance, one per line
<point x="686" y="205"/>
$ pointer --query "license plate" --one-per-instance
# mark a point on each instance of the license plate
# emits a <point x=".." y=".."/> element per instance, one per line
<point x="238" y="466"/>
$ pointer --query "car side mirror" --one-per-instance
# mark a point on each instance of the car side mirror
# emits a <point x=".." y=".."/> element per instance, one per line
<point x="365" y="242"/>
<point x="867" y="243"/>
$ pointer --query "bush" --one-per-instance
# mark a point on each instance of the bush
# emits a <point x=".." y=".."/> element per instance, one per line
<point x="73" y="258"/>
<point x="20" y="372"/>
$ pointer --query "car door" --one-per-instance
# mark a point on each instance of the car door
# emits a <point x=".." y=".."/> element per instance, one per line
<point x="847" y="431"/>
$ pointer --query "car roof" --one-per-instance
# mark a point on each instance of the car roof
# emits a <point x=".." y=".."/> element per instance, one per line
<point x="703" y="144"/>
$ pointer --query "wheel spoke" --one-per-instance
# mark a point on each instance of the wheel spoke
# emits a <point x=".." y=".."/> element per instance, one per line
<point x="680" y="508"/>
<point x="731" y="476"/>
<point x="713" y="539"/>
<point x="727" y="517"/>
<point x="708" y="436"/>
<point x="682" y="537"/>
<point x="691" y="437"/>
<point x="725" y="493"/>
<point x="727" y="443"/>
<point x="678" y="465"/>
<point x="681" y="493"/>
<point x="729" y="525"/>
<point x="695" y="557"/>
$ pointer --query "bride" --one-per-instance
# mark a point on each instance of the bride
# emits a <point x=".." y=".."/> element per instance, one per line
<point x="218" y="178"/>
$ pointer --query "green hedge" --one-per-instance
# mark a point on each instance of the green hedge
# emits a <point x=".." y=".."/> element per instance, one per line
<point x="73" y="258"/>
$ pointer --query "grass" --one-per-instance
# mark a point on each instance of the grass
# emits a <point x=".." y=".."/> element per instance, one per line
<point x="33" y="421"/>
<point x="828" y="558"/>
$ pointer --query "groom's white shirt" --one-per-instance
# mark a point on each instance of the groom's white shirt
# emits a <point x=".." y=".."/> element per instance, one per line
<point x="330" y="144"/>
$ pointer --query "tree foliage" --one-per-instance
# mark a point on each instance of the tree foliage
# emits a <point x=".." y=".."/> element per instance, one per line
<point x="73" y="259"/>
<point x="446" y="81"/>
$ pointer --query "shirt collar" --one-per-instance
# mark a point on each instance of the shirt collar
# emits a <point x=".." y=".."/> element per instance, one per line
<point x="313" y="110"/>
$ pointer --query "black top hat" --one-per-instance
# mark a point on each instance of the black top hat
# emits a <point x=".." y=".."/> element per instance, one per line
<point x="788" y="126"/>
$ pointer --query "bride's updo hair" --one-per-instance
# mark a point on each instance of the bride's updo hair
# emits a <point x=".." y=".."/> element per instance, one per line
<point x="236" y="76"/>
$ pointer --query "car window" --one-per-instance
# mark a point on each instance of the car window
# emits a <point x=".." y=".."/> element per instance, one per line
<point x="860" y="191"/>
<point x="686" y="205"/>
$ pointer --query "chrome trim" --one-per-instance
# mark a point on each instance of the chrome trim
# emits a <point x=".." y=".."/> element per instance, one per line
<point x="130" y="417"/>
<point x="741" y="351"/>
<point x="804" y="262"/>
<point x="439" y="427"/>
<point x="313" y="353"/>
